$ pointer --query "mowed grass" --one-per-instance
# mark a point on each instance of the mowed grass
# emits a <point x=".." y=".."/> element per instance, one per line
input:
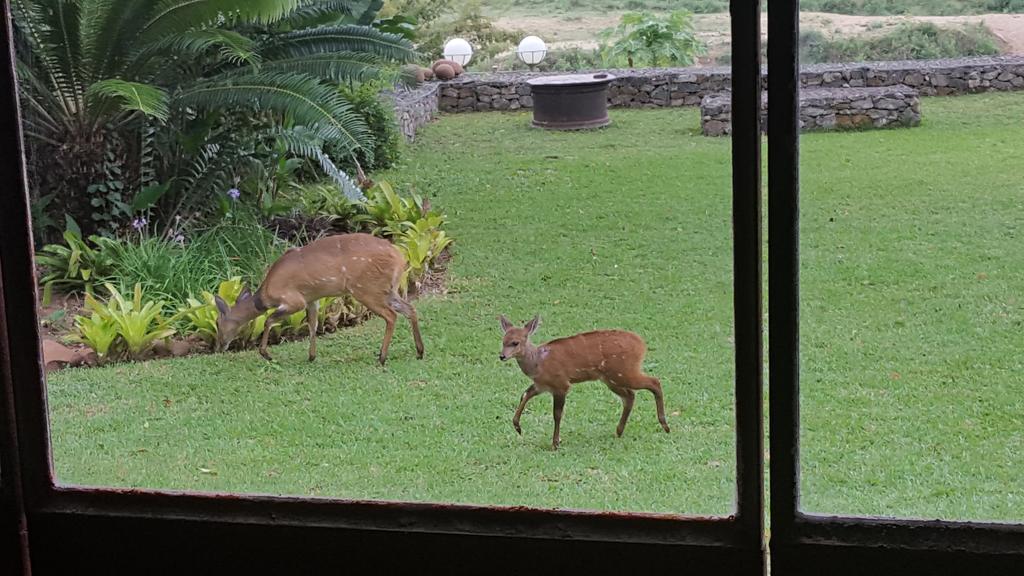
<point x="913" y="325"/>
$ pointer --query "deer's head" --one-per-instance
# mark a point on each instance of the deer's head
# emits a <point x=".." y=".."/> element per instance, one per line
<point x="231" y="319"/>
<point x="516" y="340"/>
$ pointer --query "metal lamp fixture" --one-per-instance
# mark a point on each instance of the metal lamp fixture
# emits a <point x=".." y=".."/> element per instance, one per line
<point x="532" y="50"/>
<point x="458" y="50"/>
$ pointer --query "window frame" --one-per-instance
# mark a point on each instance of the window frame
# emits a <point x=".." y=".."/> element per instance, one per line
<point x="803" y="543"/>
<point x="178" y="532"/>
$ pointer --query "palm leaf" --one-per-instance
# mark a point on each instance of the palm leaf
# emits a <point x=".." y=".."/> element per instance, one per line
<point x="132" y="96"/>
<point x="320" y="12"/>
<point x="171" y="16"/>
<point x="301" y="141"/>
<point x="333" y="39"/>
<point x="113" y="37"/>
<point x="337" y="66"/>
<point x="232" y="46"/>
<point x="303" y="98"/>
<point x="33" y="19"/>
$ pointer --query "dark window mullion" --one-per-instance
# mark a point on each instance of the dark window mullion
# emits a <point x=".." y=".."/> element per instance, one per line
<point x="784" y="263"/>
<point x="747" y="294"/>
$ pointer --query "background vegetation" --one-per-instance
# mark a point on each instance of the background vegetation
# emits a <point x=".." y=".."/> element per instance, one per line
<point x="920" y="41"/>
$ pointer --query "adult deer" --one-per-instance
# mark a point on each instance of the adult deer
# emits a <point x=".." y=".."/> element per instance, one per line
<point x="611" y="356"/>
<point x="367" y="267"/>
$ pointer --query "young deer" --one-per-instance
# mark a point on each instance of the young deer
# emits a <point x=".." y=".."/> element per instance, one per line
<point x="611" y="356"/>
<point x="367" y="267"/>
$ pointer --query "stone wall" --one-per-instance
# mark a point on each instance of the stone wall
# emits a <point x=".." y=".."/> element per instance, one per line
<point x="415" y="107"/>
<point x="827" y="109"/>
<point x="655" y="88"/>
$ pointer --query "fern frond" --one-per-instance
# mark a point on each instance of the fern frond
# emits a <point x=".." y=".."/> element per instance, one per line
<point x="132" y="96"/>
<point x="306" y="143"/>
<point x="171" y="16"/>
<point x="332" y="39"/>
<point x="320" y="12"/>
<point x="35" y="20"/>
<point x="303" y="98"/>
<point x="232" y="46"/>
<point x="336" y="66"/>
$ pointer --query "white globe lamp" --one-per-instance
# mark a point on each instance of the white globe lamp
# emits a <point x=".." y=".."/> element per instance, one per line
<point x="532" y="50"/>
<point x="458" y="50"/>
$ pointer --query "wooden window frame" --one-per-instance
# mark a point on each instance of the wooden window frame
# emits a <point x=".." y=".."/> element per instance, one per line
<point x="47" y="527"/>
<point x="803" y="543"/>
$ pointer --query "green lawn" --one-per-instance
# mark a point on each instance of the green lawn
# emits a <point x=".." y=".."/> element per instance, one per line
<point x="913" y="322"/>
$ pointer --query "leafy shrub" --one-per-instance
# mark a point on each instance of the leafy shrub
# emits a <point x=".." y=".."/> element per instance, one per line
<point x="421" y="242"/>
<point x="487" y="39"/>
<point x="317" y="209"/>
<point x="569" y="59"/>
<point x="179" y="270"/>
<point x="642" y="37"/>
<point x="76" y="266"/>
<point x="1008" y="6"/>
<point x="390" y="213"/>
<point x="121" y="327"/>
<point x="423" y="12"/>
<point x="379" y="116"/>
<point x="905" y="42"/>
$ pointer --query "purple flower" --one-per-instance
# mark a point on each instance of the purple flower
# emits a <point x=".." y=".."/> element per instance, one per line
<point x="139" y="223"/>
<point x="234" y="193"/>
<point x="180" y="239"/>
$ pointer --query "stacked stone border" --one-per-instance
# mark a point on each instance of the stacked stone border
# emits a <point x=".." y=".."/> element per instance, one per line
<point x="664" y="87"/>
<point x="826" y="109"/>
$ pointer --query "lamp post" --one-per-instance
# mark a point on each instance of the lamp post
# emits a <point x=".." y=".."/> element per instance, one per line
<point x="458" y="50"/>
<point x="532" y="50"/>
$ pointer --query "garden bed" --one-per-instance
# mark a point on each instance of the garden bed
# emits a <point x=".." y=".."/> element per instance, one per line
<point x="143" y="297"/>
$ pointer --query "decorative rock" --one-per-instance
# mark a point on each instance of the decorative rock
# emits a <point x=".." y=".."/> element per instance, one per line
<point x="914" y="79"/>
<point x="444" y="72"/>
<point x="455" y="66"/>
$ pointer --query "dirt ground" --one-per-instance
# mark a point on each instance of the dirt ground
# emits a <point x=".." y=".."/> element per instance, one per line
<point x="563" y="31"/>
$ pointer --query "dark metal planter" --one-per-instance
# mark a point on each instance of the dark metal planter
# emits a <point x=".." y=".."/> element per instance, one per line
<point x="571" y="101"/>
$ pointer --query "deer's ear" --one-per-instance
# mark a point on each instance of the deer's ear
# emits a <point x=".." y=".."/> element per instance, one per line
<point x="532" y="325"/>
<point x="245" y="294"/>
<point x="505" y="324"/>
<point x="222" y="306"/>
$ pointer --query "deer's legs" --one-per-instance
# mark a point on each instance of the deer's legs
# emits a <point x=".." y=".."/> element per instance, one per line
<point x="654" y="385"/>
<point x="311" y="318"/>
<point x="271" y="320"/>
<point x="559" y="404"/>
<point x="389" y="316"/>
<point x="628" y="396"/>
<point x="527" y="395"/>
<point x="405" y="309"/>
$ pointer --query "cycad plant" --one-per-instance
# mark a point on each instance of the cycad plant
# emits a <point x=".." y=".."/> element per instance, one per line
<point x="174" y="96"/>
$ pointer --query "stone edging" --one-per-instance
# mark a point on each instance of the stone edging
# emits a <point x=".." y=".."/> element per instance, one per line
<point x="655" y="88"/>
<point x="827" y="109"/>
